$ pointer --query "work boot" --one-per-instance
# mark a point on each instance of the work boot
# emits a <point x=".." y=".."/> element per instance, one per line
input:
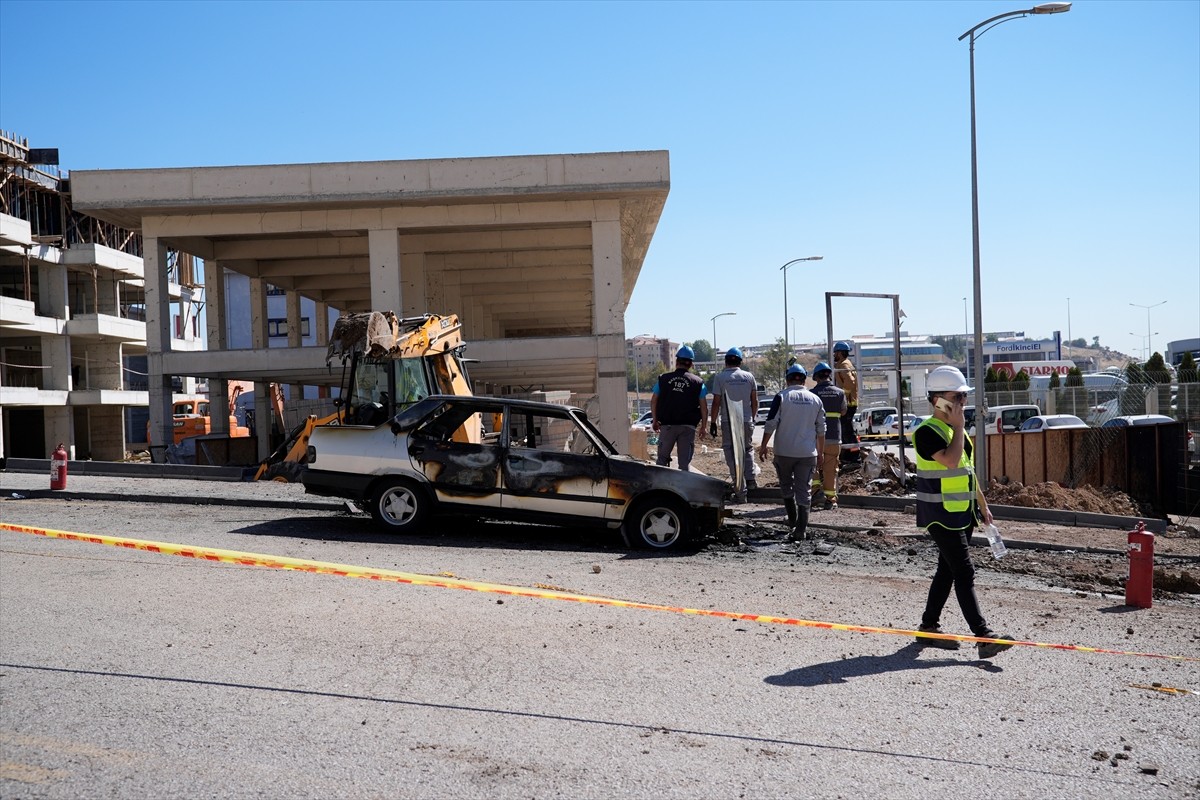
<point x="943" y="644"/>
<point x="790" y="505"/>
<point x="989" y="649"/>
<point x="800" y="531"/>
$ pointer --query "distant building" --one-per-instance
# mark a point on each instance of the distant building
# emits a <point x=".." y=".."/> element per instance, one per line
<point x="650" y="351"/>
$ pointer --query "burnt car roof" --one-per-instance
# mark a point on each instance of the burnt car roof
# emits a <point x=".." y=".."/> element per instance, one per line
<point x="415" y="413"/>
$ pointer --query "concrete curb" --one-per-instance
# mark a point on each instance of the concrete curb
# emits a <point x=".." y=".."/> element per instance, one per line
<point x="121" y="469"/>
<point x="182" y="500"/>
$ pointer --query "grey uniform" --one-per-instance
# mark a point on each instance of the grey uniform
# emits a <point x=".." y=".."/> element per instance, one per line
<point x="736" y="385"/>
<point x="799" y="431"/>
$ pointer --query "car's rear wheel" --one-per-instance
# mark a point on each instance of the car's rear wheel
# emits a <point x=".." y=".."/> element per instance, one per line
<point x="658" y="523"/>
<point x="400" y="506"/>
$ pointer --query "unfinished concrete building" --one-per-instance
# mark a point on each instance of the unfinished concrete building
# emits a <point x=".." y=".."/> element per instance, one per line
<point x="537" y="254"/>
<point x="72" y="315"/>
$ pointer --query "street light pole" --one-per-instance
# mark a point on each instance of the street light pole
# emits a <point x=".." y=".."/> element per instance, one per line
<point x="980" y="392"/>
<point x="1148" y="335"/>
<point x="714" y="322"/>
<point x="786" y="343"/>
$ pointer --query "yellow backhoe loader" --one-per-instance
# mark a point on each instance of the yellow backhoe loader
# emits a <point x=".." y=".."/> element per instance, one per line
<point x="388" y="363"/>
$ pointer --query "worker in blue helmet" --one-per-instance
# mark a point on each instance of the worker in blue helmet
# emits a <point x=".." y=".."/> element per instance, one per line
<point x="735" y="403"/>
<point x="798" y="417"/>
<point x="678" y="406"/>
<point x="846" y="379"/>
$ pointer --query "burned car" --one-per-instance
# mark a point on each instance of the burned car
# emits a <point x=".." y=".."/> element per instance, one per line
<point x="507" y="459"/>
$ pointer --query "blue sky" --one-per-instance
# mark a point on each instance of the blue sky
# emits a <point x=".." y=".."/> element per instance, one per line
<point x="794" y="129"/>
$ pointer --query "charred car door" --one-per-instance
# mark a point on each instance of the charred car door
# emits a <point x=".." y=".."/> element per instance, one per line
<point x="551" y="465"/>
<point x="461" y="472"/>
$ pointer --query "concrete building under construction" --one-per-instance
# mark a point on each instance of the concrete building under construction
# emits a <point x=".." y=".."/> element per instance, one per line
<point x="538" y="255"/>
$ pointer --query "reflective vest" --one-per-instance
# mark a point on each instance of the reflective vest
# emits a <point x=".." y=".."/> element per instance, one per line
<point x="945" y="495"/>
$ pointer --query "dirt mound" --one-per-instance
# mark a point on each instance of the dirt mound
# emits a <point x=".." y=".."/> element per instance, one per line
<point x="1096" y="500"/>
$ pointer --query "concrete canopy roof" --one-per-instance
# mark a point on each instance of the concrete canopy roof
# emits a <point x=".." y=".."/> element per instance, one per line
<point x="474" y="215"/>
<point x="508" y="243"/>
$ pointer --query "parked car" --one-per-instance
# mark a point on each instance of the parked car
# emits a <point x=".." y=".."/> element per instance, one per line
<point x="644" y="423"/>
<point x="1044" y="422"/>
<point x="760" y="418"/>
<point x="910" y="424"/>
<point x="1137" y="419"/>
<point x="507" y="459"/>
<point x="1007" y="419"/>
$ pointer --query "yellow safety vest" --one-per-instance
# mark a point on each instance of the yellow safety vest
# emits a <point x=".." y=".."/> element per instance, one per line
<point x="945" y="495"/>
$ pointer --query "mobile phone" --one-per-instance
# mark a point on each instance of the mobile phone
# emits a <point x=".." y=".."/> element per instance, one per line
<point x="944" y="404"/>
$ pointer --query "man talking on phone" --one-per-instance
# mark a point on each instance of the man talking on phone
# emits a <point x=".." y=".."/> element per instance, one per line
<point x="947" y="507"/>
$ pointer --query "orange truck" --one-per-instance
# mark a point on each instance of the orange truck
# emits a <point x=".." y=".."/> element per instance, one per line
<point x="191" y="418"/>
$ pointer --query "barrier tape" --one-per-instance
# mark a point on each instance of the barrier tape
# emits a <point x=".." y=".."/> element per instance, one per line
<point x="443" y="582"/>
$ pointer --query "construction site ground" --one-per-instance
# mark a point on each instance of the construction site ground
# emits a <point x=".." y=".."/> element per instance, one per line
<point x="1087" y="559"/>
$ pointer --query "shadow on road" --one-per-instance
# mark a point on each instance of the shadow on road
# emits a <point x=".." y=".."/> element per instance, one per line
<point x="843" y="669"/>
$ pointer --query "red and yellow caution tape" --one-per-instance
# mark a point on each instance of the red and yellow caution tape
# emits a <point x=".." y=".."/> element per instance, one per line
<point x="444" y="582"/>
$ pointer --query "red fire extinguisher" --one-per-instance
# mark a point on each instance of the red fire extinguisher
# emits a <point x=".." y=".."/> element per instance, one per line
<point x="58" y="468"/>
<point x="1140" y="584"/>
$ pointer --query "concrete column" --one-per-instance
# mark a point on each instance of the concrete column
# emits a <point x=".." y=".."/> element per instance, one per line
<point x="608" y="325"/>
<point x="295" y="339"/>
<point x="412" y="286"/>
<point x="218" y="339"/>
<point x="106" y="426"/>
<point x="158" y="339"/>
<point x="52" y="291"/>
<point x="108" y="300"/>
<point x="260" y="341"/>
<point x="384" y="249"/>
<point x="60" y="427"/>
<point x="321" y="327"/>
<point x="103" y="362"/>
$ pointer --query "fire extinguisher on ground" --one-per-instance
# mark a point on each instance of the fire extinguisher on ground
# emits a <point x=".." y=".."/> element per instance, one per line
<point x="1140" y="585"/>
<point x="58" y="468"/>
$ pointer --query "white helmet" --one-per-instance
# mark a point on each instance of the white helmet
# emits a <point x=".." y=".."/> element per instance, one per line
<point x="946" y="379"/>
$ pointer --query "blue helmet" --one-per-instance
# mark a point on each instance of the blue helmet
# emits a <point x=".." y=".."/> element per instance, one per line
<point x="686" y="352"/>
<point x="734" y="352"/>
<point x="821" y="367"/>
<point x="842" y="347"/>
<point x="796" y="369"/>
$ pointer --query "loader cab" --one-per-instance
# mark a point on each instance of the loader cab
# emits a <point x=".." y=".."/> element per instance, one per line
<point x="378" y="389"/>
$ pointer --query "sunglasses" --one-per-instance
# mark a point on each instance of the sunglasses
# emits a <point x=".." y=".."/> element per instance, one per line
<point x="960" y="396"/>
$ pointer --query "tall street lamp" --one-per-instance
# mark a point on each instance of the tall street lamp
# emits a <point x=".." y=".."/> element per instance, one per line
<point x="980" y="394"/>
<point x="714" y="322"/>
<point x="787" y="344"/>
<point x="1148" y="335"/>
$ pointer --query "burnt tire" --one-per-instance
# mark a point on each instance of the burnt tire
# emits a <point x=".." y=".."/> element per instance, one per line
<point x="658" y="523"/>
<point x="400" y="506"/>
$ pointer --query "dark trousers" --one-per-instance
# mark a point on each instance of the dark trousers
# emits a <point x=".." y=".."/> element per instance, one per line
<point x="849" y="435"/>
<point x="954" y="570"/>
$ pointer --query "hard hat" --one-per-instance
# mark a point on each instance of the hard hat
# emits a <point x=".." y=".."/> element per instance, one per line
<point x="734" y="352"/>
<point x="821" y="367"/>
<point x="796" y="369"/>
<point x="946" y="379"/>
<point x="841" y="346"/>
<point x="686" y="352"/>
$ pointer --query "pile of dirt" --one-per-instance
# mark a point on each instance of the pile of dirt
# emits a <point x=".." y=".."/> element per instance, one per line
<point x="1092" y="499"/>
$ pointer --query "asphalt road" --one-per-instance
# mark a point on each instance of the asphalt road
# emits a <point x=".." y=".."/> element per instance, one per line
<point x="129" y="674"/>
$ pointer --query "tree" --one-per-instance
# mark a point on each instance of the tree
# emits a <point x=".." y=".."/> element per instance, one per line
<point x="704" y="350"/>
<point x="1187" y="369"/>
<point x="1020" y="382"/>
<point x="772" y="365"/>
<point x="1096" y="342"/>
<point x="1080" y="342"/>
<point x="1054" y="381"/>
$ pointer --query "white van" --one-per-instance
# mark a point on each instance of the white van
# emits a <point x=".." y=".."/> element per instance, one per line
<point x="873" y="419"/>
<point x="1007" y="419"/>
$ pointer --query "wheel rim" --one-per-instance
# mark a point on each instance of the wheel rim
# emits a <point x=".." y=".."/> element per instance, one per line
<point x="661" y="527"/>
<point x="398" y="505"/>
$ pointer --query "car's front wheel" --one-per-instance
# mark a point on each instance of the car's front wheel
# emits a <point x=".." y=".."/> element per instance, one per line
<point x="400" y="506"/>
<point x="658" y="523"/>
